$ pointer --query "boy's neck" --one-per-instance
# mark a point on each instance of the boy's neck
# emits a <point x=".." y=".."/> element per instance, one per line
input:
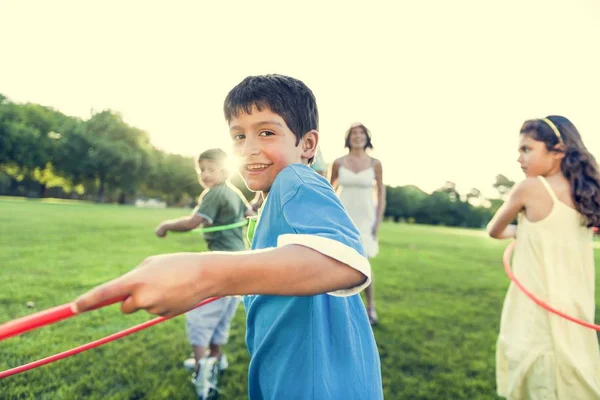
<point x="218" y="183"/>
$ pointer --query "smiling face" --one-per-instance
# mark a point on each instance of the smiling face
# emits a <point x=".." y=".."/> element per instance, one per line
<point x="536" y="159"/>
<point x="211" y="173"/>
<point x="357" y="138"/>
<point x="264" y="145"/>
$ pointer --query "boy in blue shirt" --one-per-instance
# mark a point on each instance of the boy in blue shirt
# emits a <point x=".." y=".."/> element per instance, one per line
<point x="307" y="330"/>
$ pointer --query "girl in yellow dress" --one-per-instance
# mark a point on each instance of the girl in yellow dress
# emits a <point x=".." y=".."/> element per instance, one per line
<point x="540" y="355"/>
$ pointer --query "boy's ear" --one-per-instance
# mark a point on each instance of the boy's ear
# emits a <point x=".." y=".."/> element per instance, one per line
<point x="309" y="144"/>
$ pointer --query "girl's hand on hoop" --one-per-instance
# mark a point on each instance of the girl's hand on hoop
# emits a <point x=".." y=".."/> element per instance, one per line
<point x="511" y="231"/>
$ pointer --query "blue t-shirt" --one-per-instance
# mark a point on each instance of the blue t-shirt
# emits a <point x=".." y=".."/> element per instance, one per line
<point x="310" y="347"/>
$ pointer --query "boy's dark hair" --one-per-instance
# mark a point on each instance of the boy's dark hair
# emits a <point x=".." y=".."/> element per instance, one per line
<point x="288" y="97"/>
<point x="578" y="165"/>
<point x="216" y="155"/>
<point x="368" y="145"/>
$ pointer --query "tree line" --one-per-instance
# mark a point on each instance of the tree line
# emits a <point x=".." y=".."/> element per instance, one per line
<point x="445" y="206"/>
<point x="45" y="153"/>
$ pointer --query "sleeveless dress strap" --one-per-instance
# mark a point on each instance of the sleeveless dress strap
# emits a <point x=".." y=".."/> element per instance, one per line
<point x="343" y="161"/>
<point x="548" y="188"/>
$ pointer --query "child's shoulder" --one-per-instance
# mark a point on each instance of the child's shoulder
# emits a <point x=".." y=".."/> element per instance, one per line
<point x="203" y="194"/>
<point x="233" y="189"/>
<point x="294" y="175"/>
<point x="299" y="177"/>
<point x="222" y="192"/>
<point x="533" y="192"/>
<point x="529" y="186"/>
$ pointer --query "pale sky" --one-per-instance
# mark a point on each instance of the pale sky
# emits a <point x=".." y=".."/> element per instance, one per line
<point x="444" y="86"/>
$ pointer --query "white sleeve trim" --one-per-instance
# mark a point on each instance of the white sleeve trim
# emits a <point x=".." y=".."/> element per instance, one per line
<point x="206" y="217"/>
<point x="336" y="250"/>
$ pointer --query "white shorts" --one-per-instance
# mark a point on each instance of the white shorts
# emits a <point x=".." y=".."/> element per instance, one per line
<point x="210" y="323"/>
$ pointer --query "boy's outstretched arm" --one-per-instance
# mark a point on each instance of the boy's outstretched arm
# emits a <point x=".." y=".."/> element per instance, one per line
<point x="183" y="224"/>
<point x="171" y="284"/>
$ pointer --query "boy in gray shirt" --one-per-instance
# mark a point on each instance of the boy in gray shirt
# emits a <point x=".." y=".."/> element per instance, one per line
<point x="220" y="203"/>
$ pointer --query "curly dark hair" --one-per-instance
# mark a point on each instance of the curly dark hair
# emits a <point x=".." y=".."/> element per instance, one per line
<point x="578" y="165"/>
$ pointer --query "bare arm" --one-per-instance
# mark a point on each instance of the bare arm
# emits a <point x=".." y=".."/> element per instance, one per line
<point x="183" y="224"/>
<point x="381" y="200"/>
<point x="335" y="169"/>
<point x="173" y="283"/>
<point x="499" y="227"/>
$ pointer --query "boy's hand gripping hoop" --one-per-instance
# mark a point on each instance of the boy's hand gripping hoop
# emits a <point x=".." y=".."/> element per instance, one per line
<point x="56" y="314"/>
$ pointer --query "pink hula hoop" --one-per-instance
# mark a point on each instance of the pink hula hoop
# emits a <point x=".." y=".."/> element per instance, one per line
<point x="56" y="314"/>
<point x="506" y="259"/>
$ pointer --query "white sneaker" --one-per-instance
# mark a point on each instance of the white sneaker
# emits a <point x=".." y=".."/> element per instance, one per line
<point x="205" y="380"/>
<point x="223" y="363"/>
<point x="190" y="363"/>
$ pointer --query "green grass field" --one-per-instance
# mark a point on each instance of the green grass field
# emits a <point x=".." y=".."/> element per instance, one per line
<point x="439" y="294"/>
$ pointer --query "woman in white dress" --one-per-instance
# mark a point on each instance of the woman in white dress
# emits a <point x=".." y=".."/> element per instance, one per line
<point x="354" y="177"/>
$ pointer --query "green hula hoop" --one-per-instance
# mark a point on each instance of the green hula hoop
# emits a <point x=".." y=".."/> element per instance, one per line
<point x="221" y="227"/>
